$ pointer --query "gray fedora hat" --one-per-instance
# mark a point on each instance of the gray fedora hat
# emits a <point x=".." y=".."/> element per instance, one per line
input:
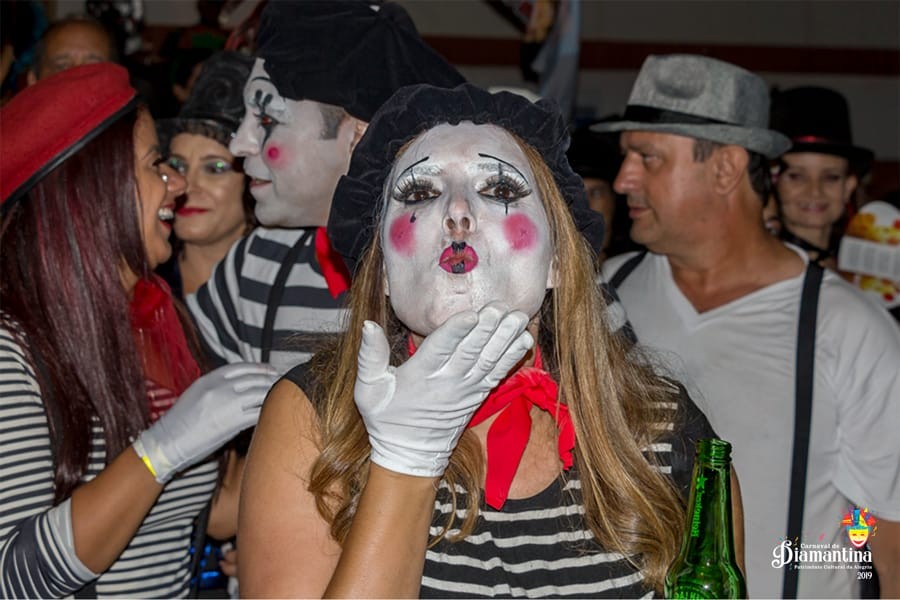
<point x="704" y="98"/>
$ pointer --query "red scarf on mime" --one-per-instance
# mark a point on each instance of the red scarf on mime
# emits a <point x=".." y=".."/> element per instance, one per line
<point x="337" y="277"/>
<point x="509" y="433"/>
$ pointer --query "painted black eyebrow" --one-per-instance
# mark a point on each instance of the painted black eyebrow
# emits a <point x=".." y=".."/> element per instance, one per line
<point x="409" y="168"/>
<point x="261" y="78"/>
<point x="500" y="160"/>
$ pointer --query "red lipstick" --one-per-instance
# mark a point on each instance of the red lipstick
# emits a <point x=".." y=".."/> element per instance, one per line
<point x="185" y="211"/>
<point x="458" y="258"/>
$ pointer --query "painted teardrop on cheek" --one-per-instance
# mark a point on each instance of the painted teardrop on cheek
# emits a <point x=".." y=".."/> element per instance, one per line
<point x="520" y="231"/>
<point x="402" y="234"/>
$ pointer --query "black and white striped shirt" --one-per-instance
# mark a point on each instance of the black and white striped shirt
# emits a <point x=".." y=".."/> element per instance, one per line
<point x="156" y="563"/>
<point x="540" y="546"/>
<point x="230" y="309"/>
<point x="533" y="548"/>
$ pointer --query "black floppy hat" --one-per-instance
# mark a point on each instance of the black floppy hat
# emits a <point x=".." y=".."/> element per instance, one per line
<point x="216" y="104"/>
<point x="415" y="109"/>
<point x="817" y="119"/>
<point x="348" y="53"/>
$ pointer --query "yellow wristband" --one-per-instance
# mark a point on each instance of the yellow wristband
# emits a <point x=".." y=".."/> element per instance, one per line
<point x="149" y="466"/>
<point x="142" y="454"/>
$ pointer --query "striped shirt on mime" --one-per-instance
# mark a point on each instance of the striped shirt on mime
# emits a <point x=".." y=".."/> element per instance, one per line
<point x="541" y="547"/>
<point x="230" y="309"/>
<point x="155" y="564"/>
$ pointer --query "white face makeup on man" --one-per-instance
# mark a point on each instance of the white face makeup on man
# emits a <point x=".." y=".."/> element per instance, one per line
<point x="293" y="170"/>
<point x="464" y="225"/>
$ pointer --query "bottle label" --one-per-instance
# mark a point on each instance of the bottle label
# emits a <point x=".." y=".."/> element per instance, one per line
<point x="699" y="489"/>
<point x="687" y="589"/>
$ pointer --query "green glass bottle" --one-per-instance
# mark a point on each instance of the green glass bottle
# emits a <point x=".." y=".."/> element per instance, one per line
<point x="706" y="566"/>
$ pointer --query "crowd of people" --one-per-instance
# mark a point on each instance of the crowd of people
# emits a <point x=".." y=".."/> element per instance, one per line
<point x="392" y="334"/>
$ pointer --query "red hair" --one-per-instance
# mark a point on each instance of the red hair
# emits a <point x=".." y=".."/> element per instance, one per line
<point x="63" y="249"/>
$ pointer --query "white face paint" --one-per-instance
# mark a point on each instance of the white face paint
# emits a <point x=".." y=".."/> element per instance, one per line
<point x="464" y="225"/>
<point x="293" y="170"/>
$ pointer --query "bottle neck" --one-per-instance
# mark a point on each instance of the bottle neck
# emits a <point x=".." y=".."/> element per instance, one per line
<point x="709" y="536"/>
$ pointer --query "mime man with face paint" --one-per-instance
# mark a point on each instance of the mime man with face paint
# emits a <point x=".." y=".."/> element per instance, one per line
<point x="322" y="70"/>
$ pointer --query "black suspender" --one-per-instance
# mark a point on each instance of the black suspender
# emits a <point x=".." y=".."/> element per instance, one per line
<point x="803" y="397"/>
<point x="275" y="294"/>
<point x="803" y="385"/>
<point x="609" y="293"/>
<point x="625" y="270"/>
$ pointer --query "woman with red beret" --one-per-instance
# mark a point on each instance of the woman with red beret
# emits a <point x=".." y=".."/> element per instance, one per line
<point x="102" y="472"/>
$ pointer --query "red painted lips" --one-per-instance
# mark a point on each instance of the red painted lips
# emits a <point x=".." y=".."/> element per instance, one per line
<point x="458" y="258"/>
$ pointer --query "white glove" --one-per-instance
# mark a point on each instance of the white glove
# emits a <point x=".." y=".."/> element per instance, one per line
<point x="416" y="413"/>
<point x="210" y="412"/>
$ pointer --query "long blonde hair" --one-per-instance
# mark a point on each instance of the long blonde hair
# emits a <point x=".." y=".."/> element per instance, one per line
<point x="614" y="402"/>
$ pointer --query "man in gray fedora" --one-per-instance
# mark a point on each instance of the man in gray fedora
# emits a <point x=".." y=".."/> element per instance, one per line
<point x="810" y="399"/>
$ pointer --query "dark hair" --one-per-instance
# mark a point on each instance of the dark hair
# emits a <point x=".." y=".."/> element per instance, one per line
<point x="757" y="166"/>
<point x="41" y="47"/>
<point x="62" y="252"/>
<point x="332" y="117"/>
<point x="760" y="178"/>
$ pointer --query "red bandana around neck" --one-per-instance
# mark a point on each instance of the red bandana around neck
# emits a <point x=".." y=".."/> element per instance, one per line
<point x="161" y="342"/>
<point x="509" y="433"/>
<point x="336" y="274"/>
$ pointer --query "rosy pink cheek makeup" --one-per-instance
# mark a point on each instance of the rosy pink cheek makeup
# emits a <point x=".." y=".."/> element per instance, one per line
<point x="273" y="154"/>
<point x="401" y="234"/>
<point x="520" y="231"/>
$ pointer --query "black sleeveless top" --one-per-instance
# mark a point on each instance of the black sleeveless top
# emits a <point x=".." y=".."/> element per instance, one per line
<point x="540" y="546"/>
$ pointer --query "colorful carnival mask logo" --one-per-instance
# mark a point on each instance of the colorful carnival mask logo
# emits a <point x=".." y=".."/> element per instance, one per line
<point x="860" y="525"/>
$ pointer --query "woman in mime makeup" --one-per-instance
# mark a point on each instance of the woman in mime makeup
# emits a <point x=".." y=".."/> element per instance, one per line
<point x="477" y="430"/>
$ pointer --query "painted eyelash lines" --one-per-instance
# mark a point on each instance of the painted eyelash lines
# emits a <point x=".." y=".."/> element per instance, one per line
<point x="516" y="183"/>
<point x="265" y="119"/>
<point x="409" y="185"/>
<point x="507" y="185"/>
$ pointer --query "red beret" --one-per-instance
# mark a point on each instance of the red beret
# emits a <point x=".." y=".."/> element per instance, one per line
<point x="46" y="123"/>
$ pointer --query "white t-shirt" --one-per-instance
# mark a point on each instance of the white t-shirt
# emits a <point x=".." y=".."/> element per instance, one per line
<point x="738" y="362"/>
